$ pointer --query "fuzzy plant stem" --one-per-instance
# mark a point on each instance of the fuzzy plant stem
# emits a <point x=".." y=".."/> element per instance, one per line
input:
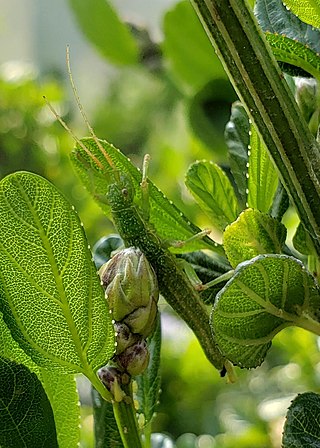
<point x="255" y="75"/>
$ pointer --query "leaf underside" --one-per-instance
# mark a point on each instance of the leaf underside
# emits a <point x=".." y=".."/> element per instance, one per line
<point x="302" y="428"/>
<point x="25" y="413"/>
<point x="265" y="295"/>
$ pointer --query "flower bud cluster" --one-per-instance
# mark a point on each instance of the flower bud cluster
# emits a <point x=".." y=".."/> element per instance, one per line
<point x="131" y="289"/>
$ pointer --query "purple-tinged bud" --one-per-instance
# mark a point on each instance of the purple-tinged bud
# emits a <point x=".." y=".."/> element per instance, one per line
<point x="111" y="378"/>
<point x="134" y="359"/>
<point x="124" y="337"/>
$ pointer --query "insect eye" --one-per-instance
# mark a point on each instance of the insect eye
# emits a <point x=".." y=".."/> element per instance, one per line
<point x="125" y="192"/>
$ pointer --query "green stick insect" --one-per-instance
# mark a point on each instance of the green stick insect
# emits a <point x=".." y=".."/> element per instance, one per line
<point x="130" y="197"/>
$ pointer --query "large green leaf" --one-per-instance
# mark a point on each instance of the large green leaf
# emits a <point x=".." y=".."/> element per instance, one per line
<point x="238" y="139"/>
<point x="25" y="413"/>
<point x="214" y="193"/>
<point x="59" y="387"/>
<point x="307" y="10"/>
<point x="106" y="431"/>
<point x="302" y="428"/>
<point x="265" y="295"/>
<point x="183" y="39"/>
<point x="102" y="27"/>
<point x="165" y="217"/>
<point x="149" y="381"/>
<point x="252" y="234"/>
<point x="51" y="297"/>
<point x="262" y="176"/>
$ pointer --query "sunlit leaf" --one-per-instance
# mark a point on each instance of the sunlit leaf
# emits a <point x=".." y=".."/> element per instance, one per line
<point x="102" y="27"/>
<point x="307" y="10"/>
<point x="25" y="413"/>
<point x="51" y="297"/>
<point x="214" y="193"/>
<point x="238" y="139"/>
<point x="165" y="217"/>
<point x="264" y="296"/>
<point x="252" y="234"/>
<point x="302" y="427"/>
<point x="302" y="241"/>
<point x="262" y="176"/>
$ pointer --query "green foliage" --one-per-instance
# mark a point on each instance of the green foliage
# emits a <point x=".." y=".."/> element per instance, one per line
<point x="266" y="294"/>
<point x="55" y="313"/>
<point x="105" y="426"/>
<point x="184" y="37"/>
<point x="61" y="322"/>
<point x="97" y="175"/>
<point x="103" y="26"/>
<point x="213" y="191"/>
<point x="302" y="424"/>
<point x="252" y="234"/>
<point x="25" y="412"/>
<point x="307" y="10"/>
<point x="238" y="139"/>
<point x="262" y="176"/>
<point x="293" y="42"/>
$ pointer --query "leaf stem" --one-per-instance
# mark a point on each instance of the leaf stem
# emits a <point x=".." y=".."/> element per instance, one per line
<point x="125" y="415"/>
<point x="255" y="74"/>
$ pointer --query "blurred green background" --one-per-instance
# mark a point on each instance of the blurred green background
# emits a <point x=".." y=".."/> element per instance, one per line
<point x="159" y="89"/>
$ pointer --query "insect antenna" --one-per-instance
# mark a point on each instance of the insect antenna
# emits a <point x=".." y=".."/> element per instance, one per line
<point x="83" y="114"/>
<point x="73" y="135"/>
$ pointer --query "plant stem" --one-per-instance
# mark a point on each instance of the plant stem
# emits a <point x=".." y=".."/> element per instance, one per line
<point x="255" y="74"/>
<point x="125" y="415"/>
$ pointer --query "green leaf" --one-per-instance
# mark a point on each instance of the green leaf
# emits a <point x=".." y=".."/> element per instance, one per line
<point x="149" y="382"/>
<point x="105" y="426"/>
<point x="213" y="191"/>
<point x="295" y="44"/>
<point x="252" y="234"/>
<point x="280" y="203"/>
<point x="265" y="295"/>
<point x="302" y="427"/>
<point x="61" y="390"/>
<point x="102" y="27"/>
<point x="25" y="412"/>
<point x="59" y="387"/>
<point x="262" y="176"/>
<point x="296" y="54"/>
<point x="275" y="18"/>
<point x="302" y="241"/>
<point x="51" y="297"/>
<point x="165" y="217"/>
<point x="183" y="39"/>
<point x="307" y="10"/>
<point x="238" y="139"/>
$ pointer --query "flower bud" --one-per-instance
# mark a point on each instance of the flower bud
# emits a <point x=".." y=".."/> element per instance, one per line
<point x="129" y="281"/>
<point x="124" y="337"/>
<point x="134" y="359"/>
<point x="111" y="378"/>
<point x="143" y="319"/>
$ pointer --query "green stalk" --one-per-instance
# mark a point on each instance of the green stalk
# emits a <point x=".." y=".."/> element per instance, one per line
<point x="255" y="74"/>
<point x="125" y="415"/>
